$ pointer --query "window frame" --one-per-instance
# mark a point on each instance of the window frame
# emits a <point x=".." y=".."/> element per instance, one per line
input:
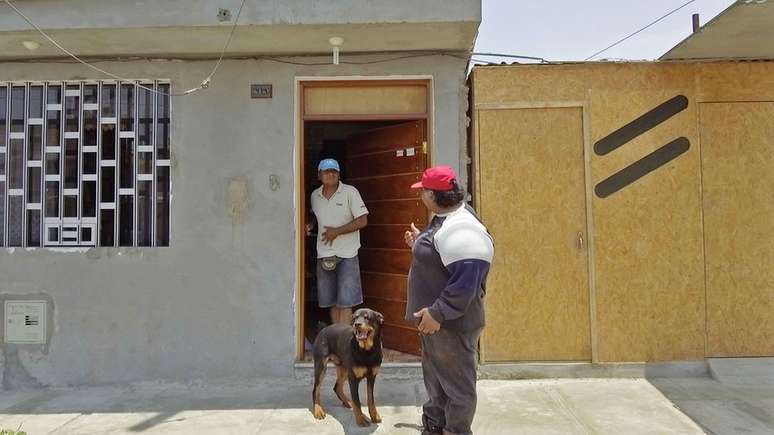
<point x="86" y="231"/>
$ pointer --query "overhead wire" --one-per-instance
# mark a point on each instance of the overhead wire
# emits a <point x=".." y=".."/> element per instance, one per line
<point x="208" y="79"/>
<point x="203" y="85"/>
<point x="638" y="31"/>
<point x="206" y="82"/>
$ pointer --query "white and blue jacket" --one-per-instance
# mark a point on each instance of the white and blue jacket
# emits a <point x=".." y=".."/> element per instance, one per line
<point x="451" y="260"/>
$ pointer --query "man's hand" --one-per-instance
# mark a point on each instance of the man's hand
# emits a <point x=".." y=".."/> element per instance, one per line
<point x="330" y="235"/>
<point x="411" y="235"/>
<point x="427" y="325"/>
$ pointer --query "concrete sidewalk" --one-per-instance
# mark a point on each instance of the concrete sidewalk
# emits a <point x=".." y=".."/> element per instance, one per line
<point x="721" y="407"/>
<point x="571" y="406"/>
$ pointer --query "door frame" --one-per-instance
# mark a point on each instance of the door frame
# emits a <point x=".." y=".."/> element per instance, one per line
<point x="587" y="153"/>
<point x="299" y="196"/>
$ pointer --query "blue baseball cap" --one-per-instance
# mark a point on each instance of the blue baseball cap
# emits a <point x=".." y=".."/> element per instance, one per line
<point x="326" y="164"/>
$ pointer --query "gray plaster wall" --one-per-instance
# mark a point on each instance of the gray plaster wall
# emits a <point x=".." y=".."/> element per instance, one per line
<point x="219" y="303"/>
<point x="87" y="14"/>
<point x="192" y="28"/>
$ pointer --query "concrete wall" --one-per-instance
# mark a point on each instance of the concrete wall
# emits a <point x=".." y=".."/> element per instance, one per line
<point x="192" y="28"/>
<point x="218" y="303"/>
<point x="89" y="14"/>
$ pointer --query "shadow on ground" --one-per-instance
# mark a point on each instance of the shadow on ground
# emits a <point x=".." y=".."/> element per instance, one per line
<point x="721" y="408"/>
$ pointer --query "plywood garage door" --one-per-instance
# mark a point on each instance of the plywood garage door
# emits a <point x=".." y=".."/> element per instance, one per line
<point x="532" y="198"/>
<point x="737" y="153"/>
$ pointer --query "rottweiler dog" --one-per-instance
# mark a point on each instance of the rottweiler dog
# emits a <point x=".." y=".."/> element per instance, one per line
<point x="356" y="351"/>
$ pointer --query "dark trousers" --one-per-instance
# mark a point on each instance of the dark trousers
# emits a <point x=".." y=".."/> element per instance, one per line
<point x="449" y="362"/>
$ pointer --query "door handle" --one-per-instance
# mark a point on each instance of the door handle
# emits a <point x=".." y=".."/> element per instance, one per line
<point x="580" y="240"/>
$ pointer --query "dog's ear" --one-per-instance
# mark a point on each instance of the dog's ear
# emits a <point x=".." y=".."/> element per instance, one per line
<point x="379" y="317"/>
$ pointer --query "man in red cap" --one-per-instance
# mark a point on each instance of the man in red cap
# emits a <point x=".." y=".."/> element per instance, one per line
<point x="446" y="287"/>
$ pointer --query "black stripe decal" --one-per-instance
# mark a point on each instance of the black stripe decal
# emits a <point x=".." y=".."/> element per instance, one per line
<point x="642" y="167"/>
<point x="650" y="119"/>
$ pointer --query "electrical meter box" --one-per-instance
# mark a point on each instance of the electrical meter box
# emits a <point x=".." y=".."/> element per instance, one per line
<point x="25" y="322"/>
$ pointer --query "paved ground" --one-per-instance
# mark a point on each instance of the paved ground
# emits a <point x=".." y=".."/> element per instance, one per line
<point x="723" y="408"/>
<point x="563" y="406"/>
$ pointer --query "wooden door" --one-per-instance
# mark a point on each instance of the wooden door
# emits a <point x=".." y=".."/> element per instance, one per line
<point x="382" y="164"/>
<point x="532" y="199"/>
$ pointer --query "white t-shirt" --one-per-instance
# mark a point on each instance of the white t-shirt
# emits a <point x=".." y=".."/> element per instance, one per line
<point x="344" y="206"/>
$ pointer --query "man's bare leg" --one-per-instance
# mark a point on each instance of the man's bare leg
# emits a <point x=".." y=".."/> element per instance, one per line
<point x="345" y="315"/>
<point x="334" y="315"/>
<point x="341" y="316"/>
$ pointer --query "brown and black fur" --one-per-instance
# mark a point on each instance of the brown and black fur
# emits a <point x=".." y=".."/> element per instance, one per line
<point x="354" y="358"/>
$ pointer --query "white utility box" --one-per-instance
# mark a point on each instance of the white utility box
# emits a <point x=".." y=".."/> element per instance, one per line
<point x="25" y="322"/>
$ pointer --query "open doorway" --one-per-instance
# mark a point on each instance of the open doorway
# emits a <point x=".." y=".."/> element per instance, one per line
<point x="381" y="159"/>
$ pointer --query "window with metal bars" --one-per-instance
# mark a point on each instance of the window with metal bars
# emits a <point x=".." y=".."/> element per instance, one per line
<point x="85" y="163"/>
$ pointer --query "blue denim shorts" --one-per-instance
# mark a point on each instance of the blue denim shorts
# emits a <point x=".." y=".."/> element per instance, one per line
<point x="340" y="287"/>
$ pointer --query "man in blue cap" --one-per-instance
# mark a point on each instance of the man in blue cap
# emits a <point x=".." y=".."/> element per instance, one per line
<point x="340" y="213"/>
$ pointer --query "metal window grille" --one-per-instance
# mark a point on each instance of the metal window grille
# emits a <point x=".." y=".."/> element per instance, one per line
<point x="85" y="163"/>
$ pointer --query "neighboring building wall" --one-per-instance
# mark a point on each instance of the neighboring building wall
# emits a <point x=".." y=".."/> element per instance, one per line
<point x="219" y="302"/>
<point x="680" y="259"/>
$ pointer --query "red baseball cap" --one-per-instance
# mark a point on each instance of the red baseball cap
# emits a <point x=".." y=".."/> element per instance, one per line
<point x="437" y="178"/>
